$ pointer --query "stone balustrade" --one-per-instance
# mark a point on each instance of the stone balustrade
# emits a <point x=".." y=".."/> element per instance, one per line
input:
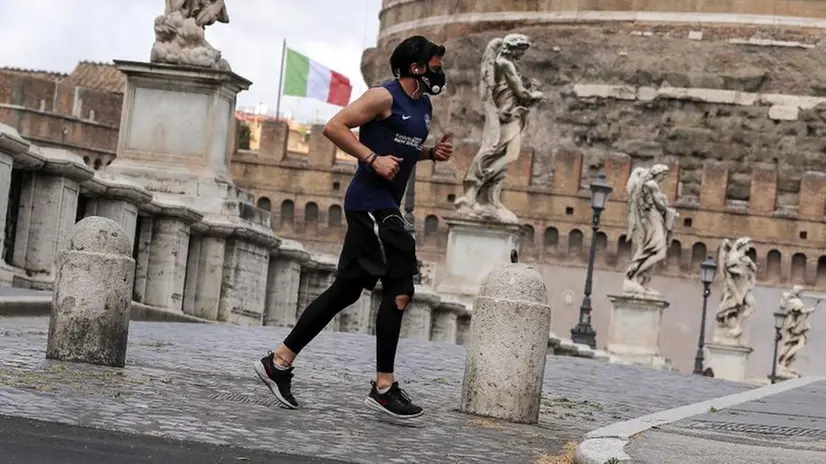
<point x="188" y="261"/>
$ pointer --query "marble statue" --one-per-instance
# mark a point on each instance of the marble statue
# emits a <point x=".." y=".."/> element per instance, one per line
<point x="650" y="222"/>
<point x="179" y="34"/>
<point x="737" y="303"/>
<point x="794" y="331"/>
<point x="507" y="97"/>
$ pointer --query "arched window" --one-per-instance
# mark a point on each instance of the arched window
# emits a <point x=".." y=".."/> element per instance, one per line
<point x="773" y="266"/>
<point x="675" y="254"/>
<point x="334" y="216"/>
<point x="551" y="238"/>
<point x="698" y="255"/>
<point x="287" y="212"/>
<point x="799" y="269"/>
<point x="575" y="242"/>
<point x="527" y="237"/>
<point x="821" y="271"/>
<point x="311" y="213"/>
<point x="264" y="203"/>
<point x="623" y="249"/>
<point x="431" y="225"/>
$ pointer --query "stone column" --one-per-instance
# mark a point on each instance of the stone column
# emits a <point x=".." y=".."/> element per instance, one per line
<point x="205" y="272"/>
<point x="166" y="269"/>
<point x="12" y="148"/>
<point x="316" y="276"/>
<point x="283" y="279"/>
<point x="92" y="299"/>
<point x="244" y="285"/>
<point x="418" y="315"/>
<point x="505" y="363"/>
<point x="48" y="211"/>
<point x="356" y="318"/>
<point x="143" y="238"/>
<point x="463" y="327"/>
<point x="445" y="321"/>
<point x="116" y="199"/>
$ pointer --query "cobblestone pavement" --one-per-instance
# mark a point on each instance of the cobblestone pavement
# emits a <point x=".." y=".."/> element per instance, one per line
<point x="782" y="428"/>
<point x="195" y="382"/>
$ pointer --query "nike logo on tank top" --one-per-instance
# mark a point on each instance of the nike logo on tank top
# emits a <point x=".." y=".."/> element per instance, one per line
<point x="400" y="135"/>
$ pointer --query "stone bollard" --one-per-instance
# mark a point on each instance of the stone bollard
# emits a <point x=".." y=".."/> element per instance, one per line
<point x="505" y="361"/>
<point x="92" y="297"/>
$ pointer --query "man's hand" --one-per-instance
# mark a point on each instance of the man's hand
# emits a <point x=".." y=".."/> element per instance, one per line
<point x="444" y="149"/>
<point x="386" y="166"/>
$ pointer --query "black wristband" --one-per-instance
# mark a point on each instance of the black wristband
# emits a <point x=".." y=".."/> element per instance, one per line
<point x="370" y="159"/>
<point x="430" y="154"/>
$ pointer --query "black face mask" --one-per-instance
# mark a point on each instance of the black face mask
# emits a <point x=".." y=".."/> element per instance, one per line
<point x="433" y="81"/>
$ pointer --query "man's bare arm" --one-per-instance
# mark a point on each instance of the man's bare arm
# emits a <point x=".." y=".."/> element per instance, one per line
<point x="376" y="103"/>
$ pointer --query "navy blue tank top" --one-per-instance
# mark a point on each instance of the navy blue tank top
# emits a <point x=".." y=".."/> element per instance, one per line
<point x="401" y="135"/>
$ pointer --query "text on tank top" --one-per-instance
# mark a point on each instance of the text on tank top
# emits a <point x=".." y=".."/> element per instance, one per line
<point x="401" y="135"/>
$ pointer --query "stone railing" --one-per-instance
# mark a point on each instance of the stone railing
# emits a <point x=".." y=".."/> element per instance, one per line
<point x="187" y="262"/>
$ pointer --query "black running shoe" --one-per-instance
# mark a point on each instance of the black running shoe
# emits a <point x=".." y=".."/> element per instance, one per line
<point x="394" y="402"/>
<point x="279" y="381"/>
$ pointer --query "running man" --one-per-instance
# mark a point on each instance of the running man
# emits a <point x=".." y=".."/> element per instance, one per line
<point x="393" y="121"/>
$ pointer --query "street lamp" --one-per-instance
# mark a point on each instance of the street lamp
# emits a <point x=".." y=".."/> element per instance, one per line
<point x="779" y="319"/>
<point x="708" y="269"/>
<point x="583" y="332"/>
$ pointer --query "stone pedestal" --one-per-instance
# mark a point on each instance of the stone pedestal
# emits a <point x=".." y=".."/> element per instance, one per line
<point x="445" y="321"/>
<point x="92" y="299"/>
<point x="244" y="283"/>
<point x="728" y="361"/>
<point x="283" y="281"/>
<point x="474" y="249"/>
<point x="167" y="260"/>
<point x="178" y="131"/>
<point x="47" y="214"/>
<point x="505" y="363"/>
<point x="418" y="315"/>
<point x="635" y="329"/>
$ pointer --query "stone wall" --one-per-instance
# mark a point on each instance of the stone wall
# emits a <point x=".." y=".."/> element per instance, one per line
<point x="50" y="110"/>
<point x="305" y="195"/>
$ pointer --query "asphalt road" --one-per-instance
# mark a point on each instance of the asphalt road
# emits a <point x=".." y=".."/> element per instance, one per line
<point x="24" y="441"/>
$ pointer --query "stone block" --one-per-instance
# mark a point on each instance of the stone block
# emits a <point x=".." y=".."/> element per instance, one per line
<point x="475" y="248"/>
<point x="244" y="280"/>
<point x="812" y="203"/>
<point x="567" y="172"/>
<point x="418" y="316"/>
<point x="784" y="112"/>
<point x="727" y="361"/>
<point x="92" y="297"/>
<point x="763" y="191"/>
<point x="713" y="186"/>
<point x="617" y="170"/>
<point x="636" y="323"/>
<point x="463" y="329"/>
<point x="505" y="363"/>
<point x="619" y="92"/>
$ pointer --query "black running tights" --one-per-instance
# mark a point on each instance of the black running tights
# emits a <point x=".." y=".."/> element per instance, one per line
<point x="343" y="293"/>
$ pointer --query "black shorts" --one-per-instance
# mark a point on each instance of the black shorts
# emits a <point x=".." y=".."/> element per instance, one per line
<point x="377" y="246"/>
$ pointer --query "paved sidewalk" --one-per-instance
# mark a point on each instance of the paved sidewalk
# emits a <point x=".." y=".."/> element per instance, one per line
<point x="788" y="427"/>
<point x="195" y="382"/>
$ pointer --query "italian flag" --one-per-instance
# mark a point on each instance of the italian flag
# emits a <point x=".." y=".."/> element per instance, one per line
<point x="304" y="77"/>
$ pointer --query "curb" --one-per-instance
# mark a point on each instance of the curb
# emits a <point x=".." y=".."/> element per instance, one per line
<point x="41" y="305"/>
<point x="606" y="443"/>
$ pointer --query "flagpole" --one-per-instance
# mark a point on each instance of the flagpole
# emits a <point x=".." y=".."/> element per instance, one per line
<point x="281" y="78"/>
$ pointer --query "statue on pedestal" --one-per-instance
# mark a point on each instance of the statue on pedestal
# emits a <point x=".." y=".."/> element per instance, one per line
<point x="179" y="34"/>
<point x="794" y="331"/>
<point x="737" y="303"/>
<point x="508" y="97"/>
<point x="650" y="222"/>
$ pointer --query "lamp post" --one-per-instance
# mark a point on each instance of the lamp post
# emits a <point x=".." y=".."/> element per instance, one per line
<point x="708" y="269"/>
<point x="583" y="332"/>
<point x="409" y="204"/>
<point x="779" y="318"/>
